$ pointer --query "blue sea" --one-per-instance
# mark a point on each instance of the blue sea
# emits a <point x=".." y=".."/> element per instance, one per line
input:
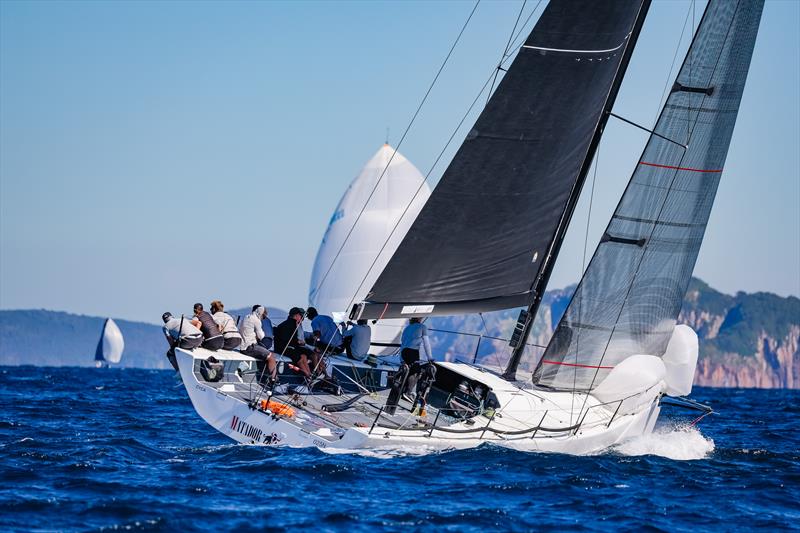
<point x="91" y="449"/>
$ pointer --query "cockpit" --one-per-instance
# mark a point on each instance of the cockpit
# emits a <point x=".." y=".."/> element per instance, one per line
<point x="459" y="396"/>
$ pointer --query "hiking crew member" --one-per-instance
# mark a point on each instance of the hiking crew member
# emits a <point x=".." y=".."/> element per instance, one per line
<point x="211" y="332"/>
<point x="180" y="332"/>
<point x="227" y="325"/>
<point x="252" y="333"/>
<point x="327" y="337"/>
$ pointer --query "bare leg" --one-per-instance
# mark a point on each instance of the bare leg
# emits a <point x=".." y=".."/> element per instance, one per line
<point x="411" y="384"/>
<point x="273" y="368"/>
<point x="303" y="364"/>
<point x="319" y="363"/>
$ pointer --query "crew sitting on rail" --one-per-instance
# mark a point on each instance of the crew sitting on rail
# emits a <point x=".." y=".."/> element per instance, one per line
<point x="252" y="333"/>
<point x="289" y="341"/>
<point x="356" y="340"/>
<point x="269" y="331"/>
<point x="414" y="338"/>
<point x="212" y="334"/>
<point x="181" y="333"/>
<point x="326" y="335"/>
<point x="226" y="323"/>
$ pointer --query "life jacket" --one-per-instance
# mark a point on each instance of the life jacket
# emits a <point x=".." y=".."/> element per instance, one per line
<point x="277" y="407"/>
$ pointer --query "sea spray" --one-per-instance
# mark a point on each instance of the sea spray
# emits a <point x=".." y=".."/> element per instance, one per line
<point x="678" y="442"/>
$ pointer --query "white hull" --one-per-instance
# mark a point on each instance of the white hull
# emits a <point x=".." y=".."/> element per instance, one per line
<point x="224" y="405"/>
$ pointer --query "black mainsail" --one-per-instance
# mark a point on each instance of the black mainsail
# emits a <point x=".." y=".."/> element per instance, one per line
<point x="489" y="234"/>
<point x="630" y="295"/>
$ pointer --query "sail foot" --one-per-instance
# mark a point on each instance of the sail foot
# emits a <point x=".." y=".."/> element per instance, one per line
<point x="381" y="310"/>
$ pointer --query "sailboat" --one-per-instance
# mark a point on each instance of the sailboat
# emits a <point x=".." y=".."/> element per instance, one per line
<point x="365" y="229"/>
<point x="110" y="346"/>
<point x="488" y="237"/>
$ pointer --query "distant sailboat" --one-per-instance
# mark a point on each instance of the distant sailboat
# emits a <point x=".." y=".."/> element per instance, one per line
<point x="368" y="224"/>
<point x="110" y="346"/>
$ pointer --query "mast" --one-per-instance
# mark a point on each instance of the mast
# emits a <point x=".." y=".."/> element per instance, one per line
<point x="541" y="281"/>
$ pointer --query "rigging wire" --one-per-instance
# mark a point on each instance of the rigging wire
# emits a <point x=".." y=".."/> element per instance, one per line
<point x="505" y="51"/>
<point x="399" y="143"/>
<point x="688" y="107"/>
<point x="583" y="271"/>
<point x="672" y="66"/>
<point x="517" y="45"/>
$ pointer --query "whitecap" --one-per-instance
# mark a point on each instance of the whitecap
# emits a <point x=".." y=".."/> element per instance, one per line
<point x="681" y="443"/>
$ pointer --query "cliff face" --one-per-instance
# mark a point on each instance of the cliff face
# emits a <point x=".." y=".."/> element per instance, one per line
<point x="747" y="340"/>
<point x="774" y="365"/>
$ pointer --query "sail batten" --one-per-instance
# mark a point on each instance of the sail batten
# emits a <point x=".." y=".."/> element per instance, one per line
<point x="629" y="298"/>
<point x="491" y="225"/>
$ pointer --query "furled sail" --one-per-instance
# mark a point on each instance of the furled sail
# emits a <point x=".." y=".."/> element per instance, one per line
<point x="491" y="226"/>
<point x="392" y="182"/>
<point x="110" y="346"/>
<point x="629" y="298"/>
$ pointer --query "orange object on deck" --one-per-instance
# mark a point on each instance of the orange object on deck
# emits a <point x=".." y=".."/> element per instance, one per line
<point x="277" y="407"/>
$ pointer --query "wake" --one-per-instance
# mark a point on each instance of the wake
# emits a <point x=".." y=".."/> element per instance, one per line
<point x="680" y="443"/>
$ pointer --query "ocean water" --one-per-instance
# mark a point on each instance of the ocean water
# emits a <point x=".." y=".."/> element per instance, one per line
<point x="88" y="449"/>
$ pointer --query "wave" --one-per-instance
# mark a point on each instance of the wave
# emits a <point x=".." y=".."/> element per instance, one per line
<point x="678" y="442"/>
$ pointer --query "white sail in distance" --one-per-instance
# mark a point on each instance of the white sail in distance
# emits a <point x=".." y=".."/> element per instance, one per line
<point x="111" y="344"/>
<point x="337" y="282"/>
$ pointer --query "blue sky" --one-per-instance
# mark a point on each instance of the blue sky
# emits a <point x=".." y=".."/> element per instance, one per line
<point x="154" y="154"/>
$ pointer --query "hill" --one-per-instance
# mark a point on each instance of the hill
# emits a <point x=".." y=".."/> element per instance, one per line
<point x="746" y="340"/>
<point x="54" y="338"/>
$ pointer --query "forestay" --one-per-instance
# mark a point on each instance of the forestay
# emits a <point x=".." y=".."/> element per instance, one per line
<point x="630" y="296"/>
<point x="489" y="229"/>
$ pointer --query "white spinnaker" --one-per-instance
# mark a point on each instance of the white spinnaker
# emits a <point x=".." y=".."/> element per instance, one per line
<point x="334" y="289"/>
<point x="113" y="343"/>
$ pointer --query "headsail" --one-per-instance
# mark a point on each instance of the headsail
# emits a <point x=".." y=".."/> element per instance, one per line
<point x="629" y="298"/>
<point x="110" y="346"/>
<point x="484" y="239"/>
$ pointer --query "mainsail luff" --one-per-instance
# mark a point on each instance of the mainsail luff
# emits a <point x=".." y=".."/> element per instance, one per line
<point x="481" y="241"/>
<point x="630" y="295"/>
